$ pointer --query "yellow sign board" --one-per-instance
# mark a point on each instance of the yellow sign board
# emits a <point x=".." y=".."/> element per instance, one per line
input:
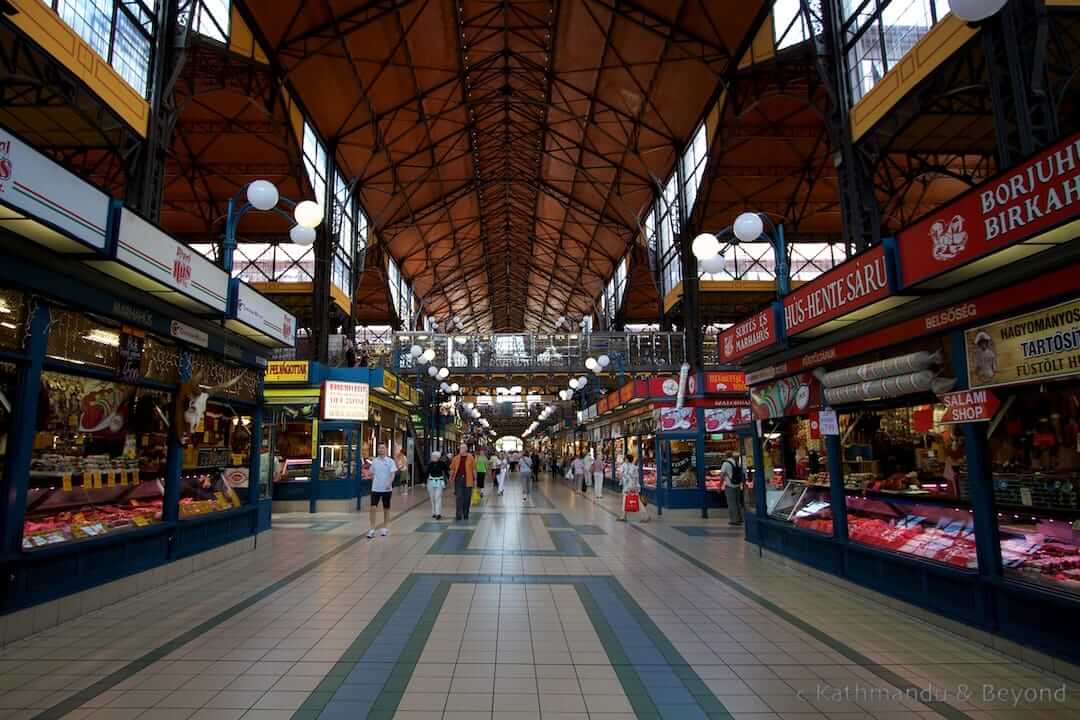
<point x="389" y="382"/>
<point x="1027" y="348"/>
<point x="283" y="371"/>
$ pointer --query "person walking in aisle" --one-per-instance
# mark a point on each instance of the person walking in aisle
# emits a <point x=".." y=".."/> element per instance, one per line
<point x="481" y="469"/>
<point x="598" y="476"/>
<point x="504" y="470"/>
<point x="463" y="472"/>
<point x="525" y="470"/>
<point x="534" y="465"/>
<point x="402" y="476"/>
<point x="732" y="473"/>
<point x="579" y="471"/>
<point x="631" y="484"/>
<point x="437" y="472"/>
<point x="383" y="470"/>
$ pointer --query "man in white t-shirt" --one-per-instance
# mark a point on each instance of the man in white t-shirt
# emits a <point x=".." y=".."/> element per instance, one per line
<point x="383" y="469"/>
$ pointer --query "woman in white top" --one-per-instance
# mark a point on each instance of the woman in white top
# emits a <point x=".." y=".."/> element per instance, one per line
<point x="630" y="483"/>
<point x="598" y="476"/>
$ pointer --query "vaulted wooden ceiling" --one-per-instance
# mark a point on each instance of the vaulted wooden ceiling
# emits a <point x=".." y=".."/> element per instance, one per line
<point x="505" y="148"/>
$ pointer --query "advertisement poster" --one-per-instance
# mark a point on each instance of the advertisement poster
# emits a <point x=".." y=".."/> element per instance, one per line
<point x="1027" y="348"/>
<point x="795" y="395"/>
<point x="682" y="419"/>
<point x="344" y="400"/>
<point x="726" y="419"/>
<point x="130" y="351"/>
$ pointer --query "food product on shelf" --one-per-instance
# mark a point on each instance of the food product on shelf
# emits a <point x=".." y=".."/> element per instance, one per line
<point x="90" y="521"/>
<point x="953" y="544"/>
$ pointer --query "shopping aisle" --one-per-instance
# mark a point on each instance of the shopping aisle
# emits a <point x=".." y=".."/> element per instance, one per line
<point x="545" y="609"/>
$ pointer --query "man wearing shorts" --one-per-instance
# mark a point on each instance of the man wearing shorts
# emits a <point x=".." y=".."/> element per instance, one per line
<point x="383" y="469"/>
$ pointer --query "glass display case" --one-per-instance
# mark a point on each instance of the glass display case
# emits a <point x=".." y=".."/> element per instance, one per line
<point x="648" y="462"/>
<point x="925" y="529"/>
<point x="718" y="447"/>
<point x="98" y="463"/>
<point x="1035" y="457"/>
<point x="333" y="455"/>
<point x="803" y="505"/>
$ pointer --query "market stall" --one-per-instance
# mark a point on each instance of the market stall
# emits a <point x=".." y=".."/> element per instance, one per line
<point x="325" y="425"/>
<point x="927" y="445"/>
<point x="130" y="387"/>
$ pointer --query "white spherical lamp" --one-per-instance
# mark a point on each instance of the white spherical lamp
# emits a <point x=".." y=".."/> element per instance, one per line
<point x="705" y="245"/>
<point x="432" y="371"/>
<point x="428" y="355"/>
<point x="262" y="195"/>
<point x="301" y="235"/>
<point x="445" y="388"/>
<point x="308" y="213"/>
<point x="582" y="381"/>
<point x="454" y="387"/>
<point x="591" y="363"/>
<point x="573" y="384"/>
<point x="748" y="228"/>
<point x="975" y="10"/>
<point x="603" y="361"/>
<point x="444" y="373"/>
<point x="416" y="351"/>
<point x="714" y="264"/>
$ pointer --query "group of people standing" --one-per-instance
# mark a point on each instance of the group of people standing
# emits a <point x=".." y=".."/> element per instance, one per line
<point x="585" y="471"/>
<point x="466" y="471"/>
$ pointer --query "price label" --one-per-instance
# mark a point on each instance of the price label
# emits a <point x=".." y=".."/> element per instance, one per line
<point x="1025" y="497"/>
<point x="66" y="481"/>
<point x="828" y="423"/>
<point x="140" y="521"/>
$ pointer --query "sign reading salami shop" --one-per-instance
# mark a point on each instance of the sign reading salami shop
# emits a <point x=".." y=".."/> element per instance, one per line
<point x="1027" y="348"/>
<point x="1014" y="206"/>
<point x="969" y="406"/>
<point x="750" y="335"/>
<point x="852" y="285"/>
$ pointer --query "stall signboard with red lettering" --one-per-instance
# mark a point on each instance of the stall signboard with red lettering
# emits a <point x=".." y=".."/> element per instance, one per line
<point x="847" y="287"/>
<point x="1046" y="286"/>
<point x="724" y="382"/>
<point x="969" y="406"/>
<point x="344" y="401"/>
<point x="755" y="333"/>
<point x="1032" y="197"/>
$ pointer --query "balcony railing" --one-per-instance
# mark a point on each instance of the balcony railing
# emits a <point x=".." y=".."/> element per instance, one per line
<point x="542" y="352"/>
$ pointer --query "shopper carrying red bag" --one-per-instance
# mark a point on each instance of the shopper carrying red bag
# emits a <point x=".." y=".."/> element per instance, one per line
<point x="630" y="503"/>
<point x="631" y="487"/>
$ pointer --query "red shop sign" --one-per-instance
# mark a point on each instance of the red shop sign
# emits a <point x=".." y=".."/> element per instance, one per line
<point x="682" y="419"/>
<point x="1013" y="206"/>
<point x="996" y="303"/>
<point x="856" y="283"/>
<point x="724" y="382"/>
<point x="663" y="387"/>
<point x="969" y="406"/>
<point x="754" y="333"/>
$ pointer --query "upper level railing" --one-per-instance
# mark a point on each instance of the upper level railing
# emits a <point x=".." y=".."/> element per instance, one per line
<point x="520" y="352"/>
<point x="542" y="352"/>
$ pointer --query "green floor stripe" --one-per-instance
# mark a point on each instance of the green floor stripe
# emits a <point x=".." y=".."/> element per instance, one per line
<point x="941" y="708"/>
<point x="72" y="703"/>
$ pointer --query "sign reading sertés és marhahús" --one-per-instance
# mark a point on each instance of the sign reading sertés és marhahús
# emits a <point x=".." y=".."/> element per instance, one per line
<point x="282" y="371"/>
<point x="969" y="406"/>
<point x="1027" y="348"/>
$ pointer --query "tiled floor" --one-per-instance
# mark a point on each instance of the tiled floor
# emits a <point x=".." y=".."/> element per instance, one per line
<point x="547" y="610"/>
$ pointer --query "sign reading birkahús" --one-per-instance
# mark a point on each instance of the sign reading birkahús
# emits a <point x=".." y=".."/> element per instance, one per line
<point x="754" y="333"/>
<point x="1017" y="204"/>
<point x="1027" y="348"/>
<point x="847" y="287"/>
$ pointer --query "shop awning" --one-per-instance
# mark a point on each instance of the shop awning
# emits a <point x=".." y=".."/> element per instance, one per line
<point x="257" y="318"/>
<point x="291" y="396"/>
<point x="48" y="205"/>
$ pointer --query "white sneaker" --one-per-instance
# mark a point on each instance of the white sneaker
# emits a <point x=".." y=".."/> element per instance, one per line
<point x="371" y="533"/>
<point x="384" y="532"/>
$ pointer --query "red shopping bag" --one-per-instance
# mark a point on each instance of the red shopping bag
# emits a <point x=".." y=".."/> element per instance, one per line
<point x="630" y="504"/>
